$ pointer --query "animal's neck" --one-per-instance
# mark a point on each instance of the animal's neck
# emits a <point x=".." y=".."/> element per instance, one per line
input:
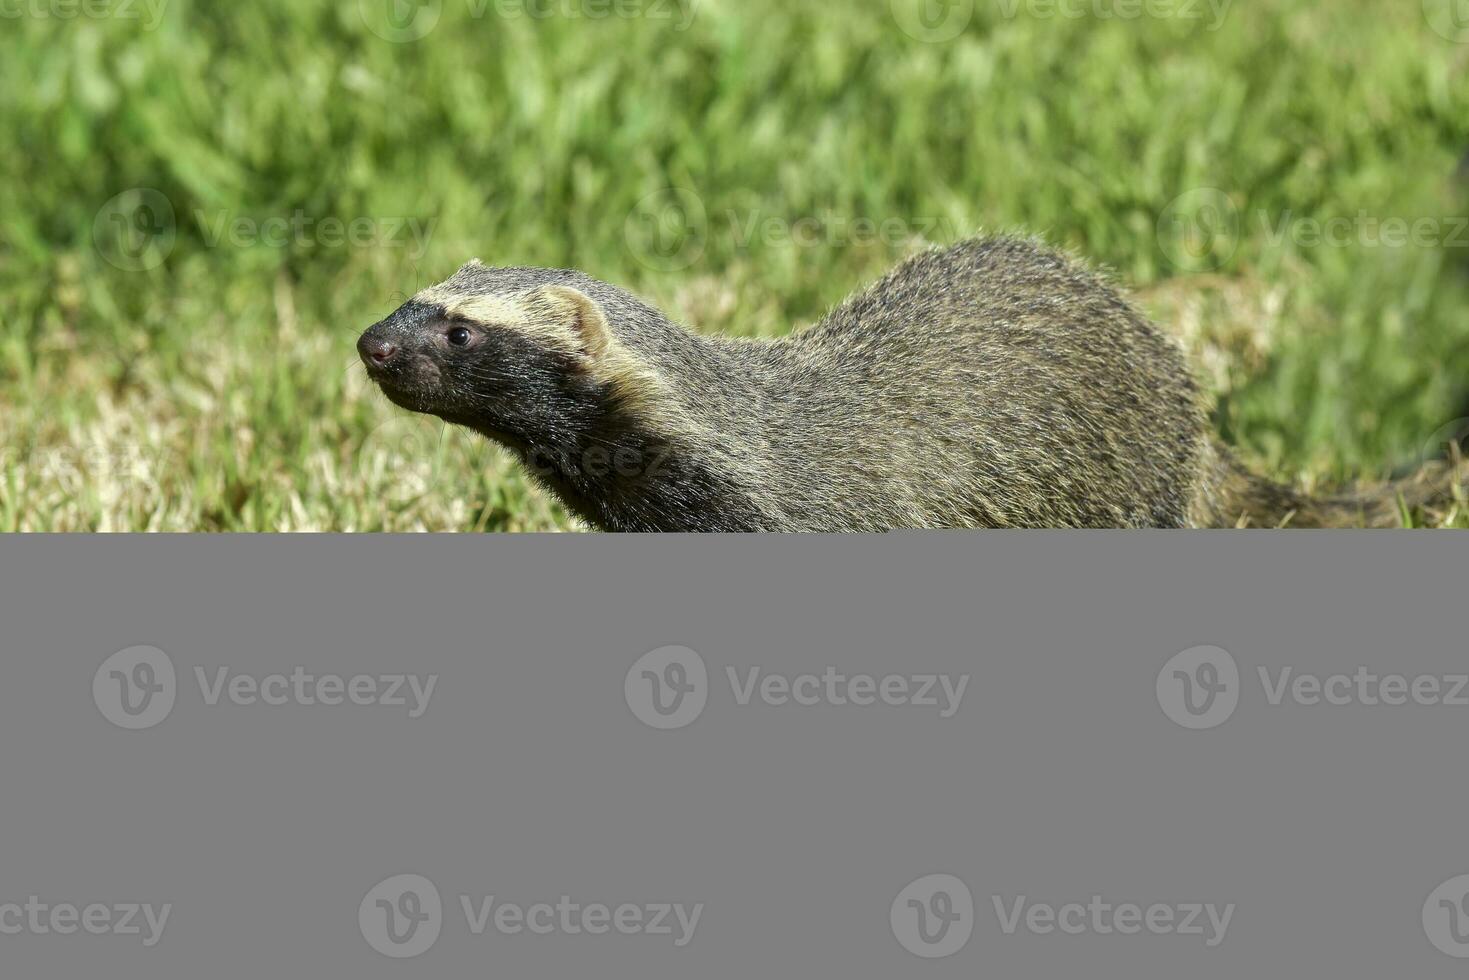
<point x="628" y="478"/>
<point x="639" y="468"/>
<point x="665" y="467"/>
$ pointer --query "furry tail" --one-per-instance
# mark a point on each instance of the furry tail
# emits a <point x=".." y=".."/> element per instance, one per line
<point x="1235" y="497"/>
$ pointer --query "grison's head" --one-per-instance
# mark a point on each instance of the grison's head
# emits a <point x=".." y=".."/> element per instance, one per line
<point x="518" y="354"/>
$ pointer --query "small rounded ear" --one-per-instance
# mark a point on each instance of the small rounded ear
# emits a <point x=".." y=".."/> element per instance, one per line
<point x="576" y="317"/>
<point x="573" y="320"/>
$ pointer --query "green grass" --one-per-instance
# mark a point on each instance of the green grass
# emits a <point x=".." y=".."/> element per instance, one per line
<point x="209" y="382"/>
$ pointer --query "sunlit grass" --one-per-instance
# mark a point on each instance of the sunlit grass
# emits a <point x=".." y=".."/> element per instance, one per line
<point x="209" y="382"/>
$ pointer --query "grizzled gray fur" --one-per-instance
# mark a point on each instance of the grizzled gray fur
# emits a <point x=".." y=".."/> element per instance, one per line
<point x="991" y="384"/>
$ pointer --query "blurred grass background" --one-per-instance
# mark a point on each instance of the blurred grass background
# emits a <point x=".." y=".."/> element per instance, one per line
<point x="165" y="365"/>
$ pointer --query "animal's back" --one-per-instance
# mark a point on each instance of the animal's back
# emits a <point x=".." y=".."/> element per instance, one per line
<point x="996" y="384"/>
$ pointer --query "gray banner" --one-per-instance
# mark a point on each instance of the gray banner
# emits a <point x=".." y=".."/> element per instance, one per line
<point x="999" y="755"/>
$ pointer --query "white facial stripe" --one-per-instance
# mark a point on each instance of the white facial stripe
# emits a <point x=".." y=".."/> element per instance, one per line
<point x="486" y="310"/>
<point x="500" y="311"/>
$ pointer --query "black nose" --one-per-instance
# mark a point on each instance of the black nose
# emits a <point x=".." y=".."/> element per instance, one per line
<point x="375" y="351"/>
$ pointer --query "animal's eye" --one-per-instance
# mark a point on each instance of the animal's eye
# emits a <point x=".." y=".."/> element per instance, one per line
<point x="459" y="336"/>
